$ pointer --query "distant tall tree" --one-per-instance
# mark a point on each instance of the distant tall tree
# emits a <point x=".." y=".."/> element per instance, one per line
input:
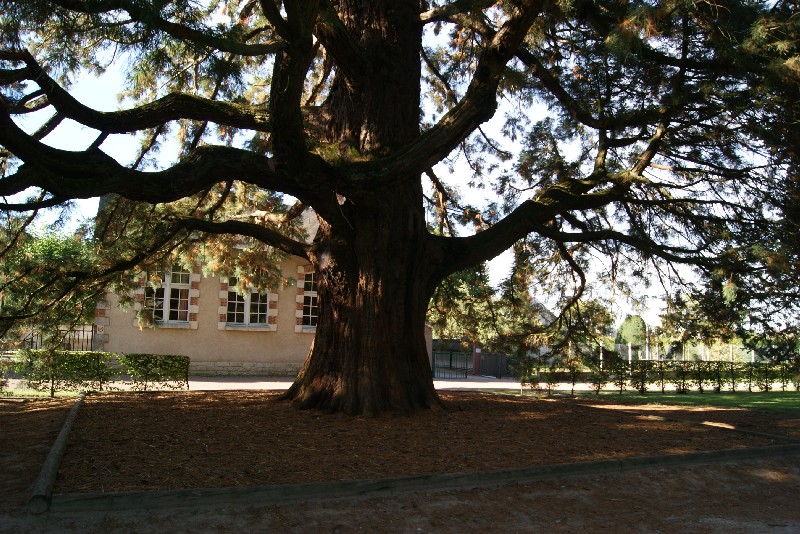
<point x="633" y="331"/>
<point x="644" y="152"/>
<point x="464" y="306"/>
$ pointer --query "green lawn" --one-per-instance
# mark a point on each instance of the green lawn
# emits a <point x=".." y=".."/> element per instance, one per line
<point x="33" y="393"/>
<point x="773" y="401"/>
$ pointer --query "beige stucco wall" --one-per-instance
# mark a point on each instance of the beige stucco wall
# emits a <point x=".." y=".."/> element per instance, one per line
<point x="213" y="350"/>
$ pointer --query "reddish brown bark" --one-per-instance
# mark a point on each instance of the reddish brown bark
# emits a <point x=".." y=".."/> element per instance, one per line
<point x="374" y="271"/>
<point x="375" y="279"/>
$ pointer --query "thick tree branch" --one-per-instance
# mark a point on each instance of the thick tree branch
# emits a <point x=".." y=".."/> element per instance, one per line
<point x="242" y="228"/>
<point x="33" y="205"/>
<point x="446" y="12"/>
<point x="476" y="107"/>
<point x="93" y="173"/>
<point x="171" y="107"/>
<point x="273" y="15"/>
<point x="674" y="254"/>
<point x="530" y="216"/>
<point x="346" y="51"/>
<point x="288" y="83"/>
<point x="148" y="14"/>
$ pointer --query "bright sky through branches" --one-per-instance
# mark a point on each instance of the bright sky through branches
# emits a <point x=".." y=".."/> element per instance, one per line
<point x="101" y="93"/>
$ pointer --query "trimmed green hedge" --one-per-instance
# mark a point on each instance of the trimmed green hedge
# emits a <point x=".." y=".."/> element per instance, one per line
<point x="57" y="370"/>
<point x="6" y="365"/>
<point x="685" y="376"/>
<point x="170" y="371"/>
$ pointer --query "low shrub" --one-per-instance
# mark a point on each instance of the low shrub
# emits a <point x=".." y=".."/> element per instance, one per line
<point x="551" y="377"/>
<point x="641" y="375"/>
<point x="619" y="374"/>
<point x="60" y="370"/>
<point x="764" y="375"/>
<point x="598" y="378"/>
<point x="702" y="375"/>
<point x="170" y="371"/>
<point x="660" y="369"/>
<point x="527" y="369"/>
<point x="681" y="376"/>
<point x="6" y="366"/>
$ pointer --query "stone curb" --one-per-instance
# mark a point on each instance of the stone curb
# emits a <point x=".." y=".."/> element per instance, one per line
<point x="282" y="494"/>
<point x="43" y="488"/>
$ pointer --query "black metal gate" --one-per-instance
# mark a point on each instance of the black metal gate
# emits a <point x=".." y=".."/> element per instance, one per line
<point x="450" y="364"/>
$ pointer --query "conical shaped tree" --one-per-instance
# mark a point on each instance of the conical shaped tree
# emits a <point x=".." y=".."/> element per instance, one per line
<point x="632" y="331"/>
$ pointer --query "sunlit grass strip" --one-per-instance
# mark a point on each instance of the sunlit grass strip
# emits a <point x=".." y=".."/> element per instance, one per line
<point x="33" y="393"/>
<point x="772" y="401"/>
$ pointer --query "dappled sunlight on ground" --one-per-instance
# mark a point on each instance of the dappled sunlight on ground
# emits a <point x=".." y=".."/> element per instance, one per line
<point x="178" y="439"/>
<point x="665" y="407"/>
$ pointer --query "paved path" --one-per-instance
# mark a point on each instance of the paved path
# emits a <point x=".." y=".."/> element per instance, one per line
<point x="217" y="383"/>
<point x="209" y="383"/>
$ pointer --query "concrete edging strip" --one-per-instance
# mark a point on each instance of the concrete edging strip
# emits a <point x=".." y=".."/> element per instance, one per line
<point x="43" y="488"/>
<point x="281" y="494"/>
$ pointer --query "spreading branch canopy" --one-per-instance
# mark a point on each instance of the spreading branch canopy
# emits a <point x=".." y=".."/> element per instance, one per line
<point x="629" y="130"/>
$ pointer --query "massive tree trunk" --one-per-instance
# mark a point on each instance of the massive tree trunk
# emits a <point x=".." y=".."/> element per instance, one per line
<point x="373" y="263"/>
<point x="374" y="282"/>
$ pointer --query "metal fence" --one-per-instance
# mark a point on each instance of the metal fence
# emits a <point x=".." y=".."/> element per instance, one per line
<point x="451" y="364"/>
<point x="80" y="338"/>
<point x="689" y="351"/>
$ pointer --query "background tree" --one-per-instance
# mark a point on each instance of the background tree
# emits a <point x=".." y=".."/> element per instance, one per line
<point x="633" y="331"/>
<point x="39" y="273"/>
<point x="625" y="137"/>
<point x="465" y="306"/>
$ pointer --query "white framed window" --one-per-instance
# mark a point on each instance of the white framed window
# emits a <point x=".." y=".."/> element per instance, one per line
<point x="310" y="300"/>
<point x="251" y="308"/>
<point x="167" y="299"/>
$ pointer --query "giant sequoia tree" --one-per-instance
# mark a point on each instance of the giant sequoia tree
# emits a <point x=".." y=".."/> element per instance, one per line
<point x="628" y="133"/>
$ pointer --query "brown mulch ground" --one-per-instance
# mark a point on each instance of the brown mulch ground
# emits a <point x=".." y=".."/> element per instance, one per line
<point x="145" y="441"/>
<point x="168" y="440"/>
<point x="28" y="428"/>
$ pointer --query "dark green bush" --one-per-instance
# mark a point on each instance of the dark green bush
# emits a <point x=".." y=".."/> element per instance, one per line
<point x="619" y="374"/>
<point x="573" y="365"/>
<point x="681" y="376"/>
<point x="764" y="373"/>
<point x="59" y="370"/>
<point x="598" y="378"/>
<point x="733" y="374"/>
<point x="660" y="370"/>
<point x="641" y="375"/>
<point x="527" y="370"/>
<point x="6" y="365"/>
<point x="794" y="372"/>
<point x="170" y="371"/>
<point x="702" y="375"/>
<point x="551" y="377"/>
